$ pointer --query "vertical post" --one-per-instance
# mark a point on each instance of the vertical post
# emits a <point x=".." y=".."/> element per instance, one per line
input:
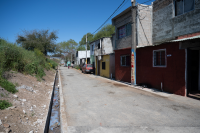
<point x="71" y="54"/>
<point x="86" y="50"/>
<point x="133" y="44"/>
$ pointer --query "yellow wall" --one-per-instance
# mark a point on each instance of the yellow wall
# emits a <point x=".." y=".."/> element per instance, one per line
<point x="105" y="73"/>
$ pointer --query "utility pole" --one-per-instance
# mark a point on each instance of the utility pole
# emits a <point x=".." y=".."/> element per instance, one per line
<point x="86" y="50"/>
<point x="71" y="54"/>
<point x="133" y="43"/>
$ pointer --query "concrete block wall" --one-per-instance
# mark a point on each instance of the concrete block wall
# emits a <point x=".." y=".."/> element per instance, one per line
<point x="144" y="25"/>
<point x="167" y="26"/>
<point x="124" y="19"/>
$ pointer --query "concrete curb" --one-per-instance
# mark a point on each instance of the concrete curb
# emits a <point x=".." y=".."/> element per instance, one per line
<point x="150" y="90"/>
<point x="63" y="117"/>
<point x="46" y="126"/>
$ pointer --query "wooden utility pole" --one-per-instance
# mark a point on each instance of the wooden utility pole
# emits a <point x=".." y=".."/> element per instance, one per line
<point x="86" y="50"/>
<point x="133" y="43"/>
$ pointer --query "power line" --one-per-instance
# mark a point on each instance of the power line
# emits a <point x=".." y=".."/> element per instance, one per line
<point x="144" y="32"/>
<point x="109" y="17"/>
<point x="114" y="13"/>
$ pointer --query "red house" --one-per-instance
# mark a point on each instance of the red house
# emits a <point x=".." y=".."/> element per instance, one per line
<point x="122" y="39"/>
<point x="173" y="64"/>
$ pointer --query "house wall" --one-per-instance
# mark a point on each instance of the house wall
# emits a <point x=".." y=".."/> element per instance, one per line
<point x="106" y="72"/>
<point x="112" y="65"/>
<point x="167" y="26"/>
<point x="172" y="76"/>
<point x="144" y="25"/>
<point x="118" y="22"/>
<point x="122" y="73"/>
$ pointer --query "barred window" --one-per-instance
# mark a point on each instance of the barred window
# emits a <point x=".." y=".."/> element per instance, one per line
<point x="104" y="65"/>
<point x="159" y="58"/>
<point x="125" y="60"/>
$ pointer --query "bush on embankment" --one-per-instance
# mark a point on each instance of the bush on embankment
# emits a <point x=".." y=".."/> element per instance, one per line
<point x="13" y="57"/>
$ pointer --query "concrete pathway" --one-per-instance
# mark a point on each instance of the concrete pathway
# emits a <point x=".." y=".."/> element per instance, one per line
<point x="97" y="105"/>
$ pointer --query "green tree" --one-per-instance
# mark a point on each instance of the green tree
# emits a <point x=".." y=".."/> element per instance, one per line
<point x="89" y="39"/>
<point x="42" y="40"/>
<point x="106" y="31"/>
<point x="68" y="47"/>
<point x="80" y="47"/>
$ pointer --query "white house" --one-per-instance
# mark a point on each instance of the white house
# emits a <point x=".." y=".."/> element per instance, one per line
<point x="81" y="56"/>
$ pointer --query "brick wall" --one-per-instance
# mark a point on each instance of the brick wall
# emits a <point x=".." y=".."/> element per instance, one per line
<point x="122" y="73"/>
<point x="172" y="76"/>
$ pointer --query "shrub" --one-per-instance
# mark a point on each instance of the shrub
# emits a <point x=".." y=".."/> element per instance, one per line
<point x="4" y="104"/>
<point x="7" y="85"/>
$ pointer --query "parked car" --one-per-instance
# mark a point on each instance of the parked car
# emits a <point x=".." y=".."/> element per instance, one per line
<point x="87" y="68"/>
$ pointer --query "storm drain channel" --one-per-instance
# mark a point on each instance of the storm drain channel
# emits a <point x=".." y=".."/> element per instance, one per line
<point x="53" y="118"/>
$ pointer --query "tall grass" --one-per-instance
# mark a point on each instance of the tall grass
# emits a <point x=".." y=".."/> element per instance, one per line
<point x="13" y="57"/>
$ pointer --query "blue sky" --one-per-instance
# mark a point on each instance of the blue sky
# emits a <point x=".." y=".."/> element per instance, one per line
<point x="70" y="18"/>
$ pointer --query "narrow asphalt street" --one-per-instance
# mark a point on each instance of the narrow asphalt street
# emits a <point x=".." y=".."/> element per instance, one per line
<point x="97" y="105"/>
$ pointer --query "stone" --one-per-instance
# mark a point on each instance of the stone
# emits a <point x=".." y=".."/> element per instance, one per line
<point x="23" y="100"/>
<point x="0" y="122"/>
<point x="31" y="131"/>
<point x="11" y="108"/>
<point x="6" y="125"/>
<point x="15" y="96"/>
<point x="25" y="87"/>
<point x="7" y="130"/>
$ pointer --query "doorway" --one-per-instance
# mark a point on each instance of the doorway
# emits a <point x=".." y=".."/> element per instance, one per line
<point x="193" y="71"/>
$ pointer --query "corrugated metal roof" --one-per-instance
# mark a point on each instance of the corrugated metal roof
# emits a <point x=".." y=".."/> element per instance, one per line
<point x="189" y="38"/>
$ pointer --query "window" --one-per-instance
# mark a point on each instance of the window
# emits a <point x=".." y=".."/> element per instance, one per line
<point x="125" y="60"/>
<point x="92" y="47"/>
<point x="98" y="45"/>
<point x="125" y="30"/>
<point x="159" y="58"/>
<point x="183" y="6"/>
<point x="103" y="65"/>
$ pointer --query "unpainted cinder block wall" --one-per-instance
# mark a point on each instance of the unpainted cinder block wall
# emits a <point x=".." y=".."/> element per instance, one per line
<point x="172" y="76"/>
<point x="167" y="26"/>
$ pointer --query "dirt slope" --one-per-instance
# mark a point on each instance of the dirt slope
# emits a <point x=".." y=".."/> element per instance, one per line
<point x="30" y="103"/>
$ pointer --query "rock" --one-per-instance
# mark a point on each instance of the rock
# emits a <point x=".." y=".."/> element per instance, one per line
<point x="25" y="87"/>
<point x="15" y="96"/>
<point x="24" y="111"/>
<point x="31" y="131"/>
<point x="7" y="130"/>
<point x="6" y="125"/>
<point x="13" y="107"/>
<point x="0" y="122"/>
<point x="23" y="100"/>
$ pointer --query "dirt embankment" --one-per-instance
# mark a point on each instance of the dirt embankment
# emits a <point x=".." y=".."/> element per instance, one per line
<point x="29" y="105"/>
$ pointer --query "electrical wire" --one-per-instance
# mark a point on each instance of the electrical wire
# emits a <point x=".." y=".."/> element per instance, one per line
<point x="144" y="32"/>
<point x="110" y="16"/>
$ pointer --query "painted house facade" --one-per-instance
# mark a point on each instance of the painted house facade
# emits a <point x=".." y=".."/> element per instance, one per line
<point x="81" y="57"/>
<point x="102" y="56"/>
<point x="173" y="64"/>
<point x="123" y="23"/>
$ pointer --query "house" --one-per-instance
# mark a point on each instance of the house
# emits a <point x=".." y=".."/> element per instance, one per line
<point x="123" y="38"/>
<point x="103" y="57"/>
<point x="173" y="63"/>
<point x="81" y="57"/>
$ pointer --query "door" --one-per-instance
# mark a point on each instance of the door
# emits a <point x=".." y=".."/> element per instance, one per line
<point x="193" y="70"/>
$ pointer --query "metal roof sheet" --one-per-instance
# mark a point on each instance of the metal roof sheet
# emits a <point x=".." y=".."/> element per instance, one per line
<point x="189" y="38"/>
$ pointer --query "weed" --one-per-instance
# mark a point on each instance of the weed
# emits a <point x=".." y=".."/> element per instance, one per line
<point x="7" y="85"/>
<point x="33" y="114"/>
<point x="16" y="84"/>
<point x="2" y="95"/>
<point x="4" y="104"/>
